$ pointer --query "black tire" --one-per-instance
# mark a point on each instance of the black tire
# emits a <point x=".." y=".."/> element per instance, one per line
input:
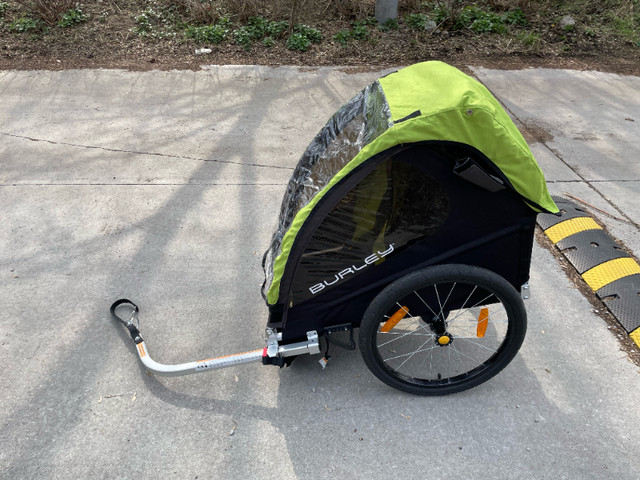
<point x="433" y="349"/>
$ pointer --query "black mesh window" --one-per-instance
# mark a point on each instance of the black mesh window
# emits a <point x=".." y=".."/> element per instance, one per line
<point x="396" y="205"/>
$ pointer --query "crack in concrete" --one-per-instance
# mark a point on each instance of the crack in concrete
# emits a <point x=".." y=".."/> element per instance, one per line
<point x="589" y="183"/>
<point x="156" y="154"/>
<point x="558" y="155"/>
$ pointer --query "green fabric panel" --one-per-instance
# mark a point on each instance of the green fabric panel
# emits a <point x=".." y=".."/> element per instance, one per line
<point x="438" y="90"/>
<point x="480" y="129"/>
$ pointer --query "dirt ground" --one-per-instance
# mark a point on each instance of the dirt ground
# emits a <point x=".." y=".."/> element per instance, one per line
<point x="108" y="39"/>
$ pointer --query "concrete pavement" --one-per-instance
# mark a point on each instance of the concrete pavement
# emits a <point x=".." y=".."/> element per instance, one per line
<point x="164" y="187"/>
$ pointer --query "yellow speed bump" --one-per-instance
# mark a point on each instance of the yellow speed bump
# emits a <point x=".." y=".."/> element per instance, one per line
<point x="635" y="336"/>
<point x="610" y="271"/>
<point x="567" y="228"/>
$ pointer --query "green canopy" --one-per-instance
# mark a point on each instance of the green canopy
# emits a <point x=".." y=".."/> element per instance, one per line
<point x="429" y="101"/>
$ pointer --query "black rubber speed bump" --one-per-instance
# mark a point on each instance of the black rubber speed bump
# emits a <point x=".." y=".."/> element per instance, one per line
<point x="603" y="264"/>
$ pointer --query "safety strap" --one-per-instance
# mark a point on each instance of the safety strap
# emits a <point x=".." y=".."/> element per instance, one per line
<point x="133" y="329"/>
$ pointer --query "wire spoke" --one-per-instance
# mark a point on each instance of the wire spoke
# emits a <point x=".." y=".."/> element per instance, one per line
<point x="461" y="354"/>
<point x="425" y="304"/>
<point x="468" y="340"/>
<point x="413" y="333"/>
<point x="447" y="299"/>
<point x="483" y="322"/>
<point x="411" y="354"/>
<point x="462" y="309"/>
<point x="422" y="327"/>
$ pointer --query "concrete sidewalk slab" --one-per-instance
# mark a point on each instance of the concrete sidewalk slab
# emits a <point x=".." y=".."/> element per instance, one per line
<point x="204" y="114"/>
<point x="584" y="126"/>
<point x="181" y="232"/>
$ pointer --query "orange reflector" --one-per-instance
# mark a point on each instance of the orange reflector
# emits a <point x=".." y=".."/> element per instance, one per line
<point x="394" y="320"/>
<point x="483" y="322"/>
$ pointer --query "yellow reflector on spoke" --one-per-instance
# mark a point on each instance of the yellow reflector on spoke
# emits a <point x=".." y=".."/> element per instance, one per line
<point x="394" y="320"/>
<point x="483" y="322"/>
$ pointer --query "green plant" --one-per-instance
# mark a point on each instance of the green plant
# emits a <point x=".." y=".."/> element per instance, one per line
<point x="268" y="42"/>
<point x="515" y="17"/>
<point x="313" y="34"/>
<point x="24" y="24"/>
<point x="244" y="36"/>
<point x="72" y="17"/>
<point x="478" y="20"/>
<point x="143" y="24"/>
<point x="359" y="30"/>
<point x="467" y="16"/>
<point x="3" y="8"/>
<point x="277" y="29"/>
<point x="416" y="21"/>
<point x="625" y="27"/>
<point x="302" y="37"/>
<point x="488" y="22"/>
<point x="158" y="20"/>
<point x="590" y="32"/>
<point x="343" y="37"/>
<point x="207" y="33"/>
<point x="441" y="15"/>
<point x="458" y="16"/>
<point x="298" y="41"/>
<point x="259" y="28"/>
<point x="391" y="24"/>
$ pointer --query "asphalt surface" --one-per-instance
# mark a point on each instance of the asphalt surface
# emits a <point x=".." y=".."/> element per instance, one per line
<point x="164" y="187"/>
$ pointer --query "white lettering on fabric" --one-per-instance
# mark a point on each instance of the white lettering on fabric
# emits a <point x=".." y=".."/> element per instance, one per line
<point x="370" y="260"/>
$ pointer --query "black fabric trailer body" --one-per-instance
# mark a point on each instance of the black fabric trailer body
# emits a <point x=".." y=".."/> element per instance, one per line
<point x="460" y="222"/>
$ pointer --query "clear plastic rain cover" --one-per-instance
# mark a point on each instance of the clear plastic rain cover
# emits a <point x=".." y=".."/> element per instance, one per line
<point x="365" y="117"/>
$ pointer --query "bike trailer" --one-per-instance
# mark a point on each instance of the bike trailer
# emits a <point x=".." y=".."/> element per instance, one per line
<point x="410" y="215"/>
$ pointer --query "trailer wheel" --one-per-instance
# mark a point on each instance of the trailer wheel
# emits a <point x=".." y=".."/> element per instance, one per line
<point x="442" y="329"/>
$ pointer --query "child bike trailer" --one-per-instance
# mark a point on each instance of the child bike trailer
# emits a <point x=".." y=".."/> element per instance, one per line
<point x="411" y="217"/>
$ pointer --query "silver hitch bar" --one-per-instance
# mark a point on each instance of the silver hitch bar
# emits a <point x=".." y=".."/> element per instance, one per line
<point x="273" y="354"/>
